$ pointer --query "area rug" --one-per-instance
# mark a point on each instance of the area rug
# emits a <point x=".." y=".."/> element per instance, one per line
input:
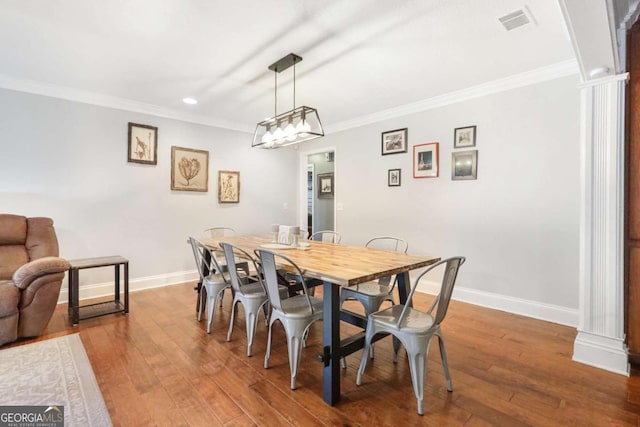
<point x="53" y="372"/>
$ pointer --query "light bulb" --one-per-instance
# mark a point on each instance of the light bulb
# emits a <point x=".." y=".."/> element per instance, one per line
<point x="278" y="135"/>
<point x="290" y="132"/>
<point x="303" y="127"/>
<point x="267" y="137"/>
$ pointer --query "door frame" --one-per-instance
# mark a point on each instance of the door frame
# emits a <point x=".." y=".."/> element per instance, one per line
<point x="302" y="183"/>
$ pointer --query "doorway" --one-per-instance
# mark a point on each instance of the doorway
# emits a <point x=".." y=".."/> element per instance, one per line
<point x="318" y="212"/>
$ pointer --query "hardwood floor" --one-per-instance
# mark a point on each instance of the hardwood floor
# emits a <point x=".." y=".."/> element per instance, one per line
<point x="157" y="366"/>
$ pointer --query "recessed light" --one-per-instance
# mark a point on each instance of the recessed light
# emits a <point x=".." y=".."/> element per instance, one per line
<point x="190" y="101"/>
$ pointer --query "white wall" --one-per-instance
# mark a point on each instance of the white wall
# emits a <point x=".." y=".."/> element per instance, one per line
<point x="68" y="161"/>
<point x="517" y="224"/>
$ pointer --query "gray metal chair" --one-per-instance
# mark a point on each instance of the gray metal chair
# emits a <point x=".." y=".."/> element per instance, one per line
<point x="415" y="329"/>
<point x="372" y="294"/>
<point x="214" y="232"/>
<point x="214" y="283"/>
<point x="296" y="313"/>
<point x="326" y="236"/>
<point x="248" y="290"/>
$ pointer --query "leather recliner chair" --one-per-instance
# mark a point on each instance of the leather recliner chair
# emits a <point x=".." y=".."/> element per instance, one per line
<point x="31" y="275"/>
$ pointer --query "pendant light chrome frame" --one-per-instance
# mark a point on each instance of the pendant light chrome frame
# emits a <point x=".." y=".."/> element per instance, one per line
<point x="292" y="127"/>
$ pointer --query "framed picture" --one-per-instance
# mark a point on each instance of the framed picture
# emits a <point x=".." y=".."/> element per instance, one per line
<point x="325" y="186"/>
<point x="228" y="187"/>
<point x="425" y="160"/>
<point x="143" y="144"/>
<point x="393" y="178"/>
<point x="394" y="141"/>
<point x="464" y="137"/>
<point x="189" y="169"/>
<point x="464" y="164"/>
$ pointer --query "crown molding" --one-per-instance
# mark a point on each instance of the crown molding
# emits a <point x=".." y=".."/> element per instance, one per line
<point x="551" y="72"/>
<point x="539" y="75"/>
<point x="86" y="97"/>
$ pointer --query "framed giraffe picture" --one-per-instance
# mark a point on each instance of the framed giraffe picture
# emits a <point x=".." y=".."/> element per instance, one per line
<point x="143" y="144"/>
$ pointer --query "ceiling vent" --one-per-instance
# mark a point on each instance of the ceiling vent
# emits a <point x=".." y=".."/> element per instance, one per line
<point x="516" y="19"/>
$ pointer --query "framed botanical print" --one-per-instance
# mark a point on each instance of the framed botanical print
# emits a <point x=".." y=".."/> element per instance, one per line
<point x="425" y="160"/>
<point x="228" y="187"/>
<point x="189" y="169"/>
<point x="142" y="144"/>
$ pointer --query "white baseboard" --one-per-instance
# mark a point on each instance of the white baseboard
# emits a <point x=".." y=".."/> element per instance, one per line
<point x="601" y="352"/>
<point x="590" y="349"/>
<point x="535" y="309"/>
<point x="98" y="290"/>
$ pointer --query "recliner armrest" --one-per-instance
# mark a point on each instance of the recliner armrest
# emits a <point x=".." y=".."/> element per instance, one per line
<point x="38" y="268"/>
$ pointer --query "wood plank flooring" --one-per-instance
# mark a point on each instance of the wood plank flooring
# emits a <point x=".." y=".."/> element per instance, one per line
<point x="158" y="366"/>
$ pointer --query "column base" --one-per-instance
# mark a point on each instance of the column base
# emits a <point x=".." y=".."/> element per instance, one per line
<point x="602" y="352"/>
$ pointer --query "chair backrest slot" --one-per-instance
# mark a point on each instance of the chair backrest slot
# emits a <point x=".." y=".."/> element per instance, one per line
<point x="388" y="243"/>
<point x="326" y="236"/>
<point x="269" y="261"/>
<point x="230" y="253"/>
<point x="441" y="304"/>
<point x="206" y="262"/>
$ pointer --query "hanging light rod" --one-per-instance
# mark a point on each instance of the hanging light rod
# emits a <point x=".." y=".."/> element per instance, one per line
<point x="295" y="126"/>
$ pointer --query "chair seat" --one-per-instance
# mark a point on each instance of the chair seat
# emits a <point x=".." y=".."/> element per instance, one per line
<point x="416" y="329"/>
<point x="415" y="322"/>
<point x="297" y="307"/>
<point x="216" y="279"/>
<point x="373" y="289"/>
<point x="253" y="290"/>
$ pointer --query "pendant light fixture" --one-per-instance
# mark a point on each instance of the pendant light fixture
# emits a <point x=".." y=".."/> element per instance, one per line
<point x="294" y="126"/>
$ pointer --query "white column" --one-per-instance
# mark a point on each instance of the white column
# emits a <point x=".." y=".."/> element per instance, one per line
<point x="600" y="339"/>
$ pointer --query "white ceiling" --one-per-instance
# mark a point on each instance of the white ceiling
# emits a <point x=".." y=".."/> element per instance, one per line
<point x="360" y="56"/>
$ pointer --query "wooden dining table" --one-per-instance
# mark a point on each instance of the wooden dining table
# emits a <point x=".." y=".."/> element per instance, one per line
<point x="337" y="265"/>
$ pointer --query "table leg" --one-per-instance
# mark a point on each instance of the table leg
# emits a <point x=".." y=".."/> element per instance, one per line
<point x="331" y="341"/>
<point x="404" y="286"/>
<point x="75" y="300"/>
<point x="126" y="287"/>
<point x="117" y="284"/>
<point x="69" y="293"/>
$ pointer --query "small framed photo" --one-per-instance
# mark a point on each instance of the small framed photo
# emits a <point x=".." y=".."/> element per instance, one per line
<point x="143" y="144"/>
<point x="228" y="187"/>
<point x="189" y="169"/>
<point x="464" y="137"/>
<point x="393" y="178"/>
<point x="325" y="186"/>
<point x="464" y="165"/>
<point x="394" y="141"/>
<point x="425" y="160"/>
